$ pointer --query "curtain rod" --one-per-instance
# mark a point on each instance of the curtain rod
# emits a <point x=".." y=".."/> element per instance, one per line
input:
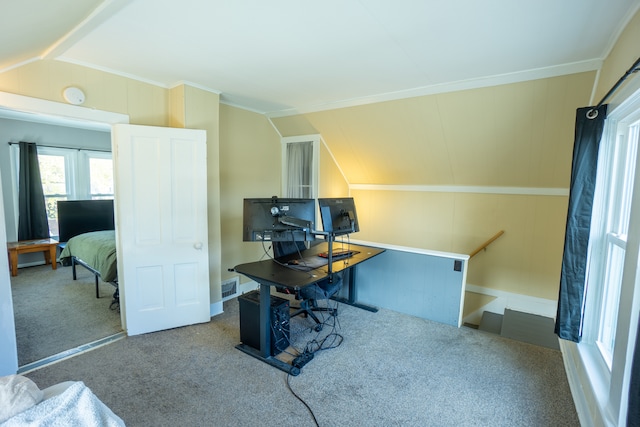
<point x="634" y="68"/>
<point x="66" y="148"/>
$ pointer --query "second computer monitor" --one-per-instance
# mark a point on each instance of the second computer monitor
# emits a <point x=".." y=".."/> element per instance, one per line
<point x="338" y="215"/>
<point x="278" y="219"/>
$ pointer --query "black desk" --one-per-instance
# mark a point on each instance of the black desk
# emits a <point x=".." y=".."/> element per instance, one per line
<point x="270" y="273"/>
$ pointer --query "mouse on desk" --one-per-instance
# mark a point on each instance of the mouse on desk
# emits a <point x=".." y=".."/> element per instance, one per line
<point x="293" y="262"/>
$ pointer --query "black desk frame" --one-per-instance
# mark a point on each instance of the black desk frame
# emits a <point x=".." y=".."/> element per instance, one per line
<point x="271" y="273"/>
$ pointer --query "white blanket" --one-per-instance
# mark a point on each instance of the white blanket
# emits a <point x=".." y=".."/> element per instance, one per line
<point x="76" y="406"/>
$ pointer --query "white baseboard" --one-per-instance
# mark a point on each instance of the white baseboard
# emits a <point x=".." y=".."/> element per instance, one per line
<point x="216" y="308"/>
<point x="512" y="301"/>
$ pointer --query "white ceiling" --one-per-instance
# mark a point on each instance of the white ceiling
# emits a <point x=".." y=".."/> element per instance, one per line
<point x="287" y="56"/>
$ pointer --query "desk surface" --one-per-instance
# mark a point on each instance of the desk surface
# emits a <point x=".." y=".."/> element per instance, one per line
<point x="277" y="273"/>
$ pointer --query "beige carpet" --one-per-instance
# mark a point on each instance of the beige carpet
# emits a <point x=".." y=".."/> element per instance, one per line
<point x="390" y="370"/>
<point x="54" y="313"/>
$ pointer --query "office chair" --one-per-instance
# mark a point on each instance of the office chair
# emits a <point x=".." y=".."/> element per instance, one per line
<point x="310" y="295"/>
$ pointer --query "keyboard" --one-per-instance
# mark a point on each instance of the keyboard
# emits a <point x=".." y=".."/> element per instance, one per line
<point x="338" y="254"/>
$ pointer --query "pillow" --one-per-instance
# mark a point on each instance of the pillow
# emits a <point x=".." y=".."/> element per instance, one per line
<point x="17" y="394"/>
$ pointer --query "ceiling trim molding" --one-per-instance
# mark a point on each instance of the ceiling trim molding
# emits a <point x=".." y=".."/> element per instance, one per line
<point x="242" y="107"/>
<point x="194" y="85"/>
<point x="100" y="14"/>
<point x="502" y="79"/>
<point x="616" y="34"/>
<point x="112" y="71"/>
<point x="19" y="64"/>
<point x="497" y="80"/>
<point x="519" y="191"/>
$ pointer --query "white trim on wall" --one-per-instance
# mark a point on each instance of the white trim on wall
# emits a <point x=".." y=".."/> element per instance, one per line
<point x="44" y="111"/>
<point x="524" y="191"/>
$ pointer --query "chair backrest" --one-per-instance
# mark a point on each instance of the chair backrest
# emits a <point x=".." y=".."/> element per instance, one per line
<point x="281" y="249"/>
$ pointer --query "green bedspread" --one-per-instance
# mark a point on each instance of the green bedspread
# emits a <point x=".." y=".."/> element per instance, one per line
<point x="97" y="249"/>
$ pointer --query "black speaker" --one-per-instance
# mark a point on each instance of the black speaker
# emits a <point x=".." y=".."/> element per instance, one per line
<point x="249" y="305"/>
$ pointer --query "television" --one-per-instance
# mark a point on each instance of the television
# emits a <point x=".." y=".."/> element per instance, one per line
<point x="82" y="216"/>
<point x="278" y="220"/>
<point x="338" y="215"/>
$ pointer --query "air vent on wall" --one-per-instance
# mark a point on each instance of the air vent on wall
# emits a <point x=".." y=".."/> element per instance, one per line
<point x="230" y="288"/>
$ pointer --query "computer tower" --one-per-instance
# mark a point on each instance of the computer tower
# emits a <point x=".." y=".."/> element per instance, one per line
<point x="249" y="305"/>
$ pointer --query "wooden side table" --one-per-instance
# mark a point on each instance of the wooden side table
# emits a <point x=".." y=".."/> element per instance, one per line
<point x="47" y="246"/>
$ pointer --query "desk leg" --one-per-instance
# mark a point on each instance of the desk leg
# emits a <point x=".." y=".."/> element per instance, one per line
<point x="13" y="260"/>
<point x="264" y="353"/>
<point x="53" y="256"/>
<point x="351" y="300"/>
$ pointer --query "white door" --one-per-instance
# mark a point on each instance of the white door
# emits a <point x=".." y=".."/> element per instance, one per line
<point x="161" y="217"/>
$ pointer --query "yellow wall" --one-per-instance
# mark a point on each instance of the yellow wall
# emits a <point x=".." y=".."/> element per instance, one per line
<point x="332" y="182"/>
<point x="201" y="111"/>
<point x="514" y="135"/>
<point x="144" y="103"/>
<point x="518" y="134"/>
<point x="250" y="165"/>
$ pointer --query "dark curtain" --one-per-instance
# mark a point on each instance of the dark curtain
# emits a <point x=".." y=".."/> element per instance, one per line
<point x="32" y="220"/>
<point x="588" y="132"/>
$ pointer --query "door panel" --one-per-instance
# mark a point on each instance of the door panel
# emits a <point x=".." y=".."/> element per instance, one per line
<point x="161" y="212"/>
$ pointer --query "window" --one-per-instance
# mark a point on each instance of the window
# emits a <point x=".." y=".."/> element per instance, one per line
<point x="56" y="184"/>
<point x="100" y="175"/>
<point x="71" y="174"/>
<point x="610" y="278"/>
<point x="300" y="166"/>
<point x="619" y="167"/>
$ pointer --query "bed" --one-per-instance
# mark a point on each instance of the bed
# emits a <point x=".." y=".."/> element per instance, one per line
<point x="95" y="251"/>
<point x="87" y="233"/>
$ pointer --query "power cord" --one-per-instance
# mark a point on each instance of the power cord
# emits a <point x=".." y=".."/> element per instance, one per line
<point x="311" y="348"/>
<point x="301" y="400"/>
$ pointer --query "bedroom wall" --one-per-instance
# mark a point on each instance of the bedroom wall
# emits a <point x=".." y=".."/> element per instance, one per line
<point x="250" y="164"/>
<point x="145" y="104"/>
<point x="56" y="136"/>
<point x="332" y="180"/>
<point x="195" y="108"/>
<point x="447" y="171"/>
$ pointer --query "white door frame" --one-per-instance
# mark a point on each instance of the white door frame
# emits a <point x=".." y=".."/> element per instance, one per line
<point x="38" y="110"/>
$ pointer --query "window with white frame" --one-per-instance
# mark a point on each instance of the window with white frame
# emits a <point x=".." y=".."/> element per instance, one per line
<point x="300" y="166"/>
<point x="610" y="226"/>
<point x="72" y="174"/>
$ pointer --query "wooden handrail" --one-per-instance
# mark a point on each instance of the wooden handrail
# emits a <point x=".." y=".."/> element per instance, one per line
<point x="485" y="244"/>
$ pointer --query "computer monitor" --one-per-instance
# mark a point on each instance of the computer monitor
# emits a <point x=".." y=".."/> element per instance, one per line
<point x="338" y="215"/>
<point x="278" y="220"/>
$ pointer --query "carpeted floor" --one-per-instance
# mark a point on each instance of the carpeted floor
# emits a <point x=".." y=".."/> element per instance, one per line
<point x="54" y="313"/>
<point x="390" y="370"/>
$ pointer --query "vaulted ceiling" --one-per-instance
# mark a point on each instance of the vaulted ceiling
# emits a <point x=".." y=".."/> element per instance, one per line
<point x="289" y="56"/>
